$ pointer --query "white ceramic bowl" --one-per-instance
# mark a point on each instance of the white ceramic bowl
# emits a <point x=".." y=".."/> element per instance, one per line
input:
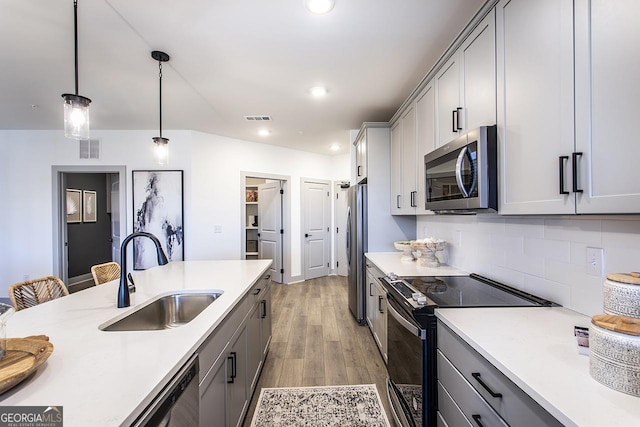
<point x="614" y="359"/>
<point x="402" y="246"/>
<point x="621" y="299"/>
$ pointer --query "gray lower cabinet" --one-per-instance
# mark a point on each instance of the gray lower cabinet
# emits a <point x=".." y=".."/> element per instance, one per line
<point x="376" y="308"/>
<point x="471" y="391"/>
<point x="231" y="358"/>
<point x="237" y="376"/>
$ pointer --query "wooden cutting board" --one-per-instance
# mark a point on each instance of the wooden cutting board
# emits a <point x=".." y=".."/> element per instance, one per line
<point x="22" y="358"/>
<point x="632" y="278"/>
<point x="622" y="324"/>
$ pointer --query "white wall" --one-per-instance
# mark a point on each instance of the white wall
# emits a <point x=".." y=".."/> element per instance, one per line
<point x="212" y="192"/>
<point x="545" y="256"/>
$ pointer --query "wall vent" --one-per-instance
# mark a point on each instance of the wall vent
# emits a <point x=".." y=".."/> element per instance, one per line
<point x="257" y="118"/>
<point x="89" y="148"/>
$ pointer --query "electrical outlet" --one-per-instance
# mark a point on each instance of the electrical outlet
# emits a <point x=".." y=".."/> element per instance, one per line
<point x="595" y="261"/>
<point x="425" y="229"/>
<point x="217" y="229"/>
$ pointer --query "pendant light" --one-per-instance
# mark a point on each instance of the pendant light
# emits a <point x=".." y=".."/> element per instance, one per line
<point x="76" y="107"/>
<point x="161" y="150"/>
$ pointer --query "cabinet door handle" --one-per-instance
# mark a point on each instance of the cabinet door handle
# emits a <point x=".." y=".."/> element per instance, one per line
<point x="575" y="171"/>
<point x="398" y="201"/>
<point x="561" y="160"/>
<point x="370" y="291"/>
<point x="232" y="357"/>
<point x="359" y="166"/>
<point x="413" y="199"/>
<point x="263" y="309"/>
<point x="256" y="292"/>
<point x="476" y="375"/>
<point x="380" y="298"/>
<point x="458" y="111"/>
<point x="477" y="419"/>
<point x="453" y="121"/>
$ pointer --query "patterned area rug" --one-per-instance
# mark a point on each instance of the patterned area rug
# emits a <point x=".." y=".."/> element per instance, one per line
<point x="350" y="405"/>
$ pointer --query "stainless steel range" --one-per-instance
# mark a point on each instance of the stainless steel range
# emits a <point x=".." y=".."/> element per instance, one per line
<point x="411" y="334"/>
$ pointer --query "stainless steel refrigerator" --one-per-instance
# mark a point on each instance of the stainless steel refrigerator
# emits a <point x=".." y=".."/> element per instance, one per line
<point x="356" y="248"/>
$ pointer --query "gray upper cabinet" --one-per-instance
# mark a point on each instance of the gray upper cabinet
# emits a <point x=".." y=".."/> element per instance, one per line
<point x="566" y="150"/>
<point x="425" y="139"/>
<point x="396" y="168"/>
<point x="607" y="94"/>
<point x="403" y="159"/>
<point x="361" y="157"/>
<point x="466" y="84"/>
<point x="448" y="105"/>
<point x="535" y="105"/>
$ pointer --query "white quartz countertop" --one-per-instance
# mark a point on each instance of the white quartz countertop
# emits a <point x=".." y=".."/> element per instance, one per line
<point x="107" y="378"/>
<point x="389" y="262"/>
<point x="535" y="348"/>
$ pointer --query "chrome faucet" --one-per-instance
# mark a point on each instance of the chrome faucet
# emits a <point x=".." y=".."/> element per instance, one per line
<point x="123" y="290"/>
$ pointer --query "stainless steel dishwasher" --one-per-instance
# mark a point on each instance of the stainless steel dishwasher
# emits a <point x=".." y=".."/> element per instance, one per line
<point x="178" y="404"/>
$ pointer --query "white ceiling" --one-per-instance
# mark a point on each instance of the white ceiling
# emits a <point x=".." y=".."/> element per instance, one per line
<point x="229" y="58"/>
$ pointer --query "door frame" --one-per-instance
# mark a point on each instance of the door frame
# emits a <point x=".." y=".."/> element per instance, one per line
<point x="303" y="216"/>
<point x="286" y="218"/>
<point x="59" y="223"/>
<point x="337" y="217"/>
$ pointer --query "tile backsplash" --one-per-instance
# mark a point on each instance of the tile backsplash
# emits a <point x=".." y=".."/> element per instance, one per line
<point x="546" y="256"/>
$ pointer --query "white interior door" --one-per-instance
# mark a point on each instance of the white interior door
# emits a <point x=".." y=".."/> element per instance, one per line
<point x="340" y="215"/>
<point x="115" y="216"/>
<point x="316" y="211"/>
<point x="270" y="226"/>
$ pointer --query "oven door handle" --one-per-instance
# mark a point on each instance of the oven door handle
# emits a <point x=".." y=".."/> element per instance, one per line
<point x="409" y="326"/>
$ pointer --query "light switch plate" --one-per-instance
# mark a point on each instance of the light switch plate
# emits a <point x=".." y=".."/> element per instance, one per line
<point x="595" y="261"/>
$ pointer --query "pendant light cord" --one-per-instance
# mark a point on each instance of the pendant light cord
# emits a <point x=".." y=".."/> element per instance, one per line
<point x="160" y="74"/>
<point x="75" y="37"/>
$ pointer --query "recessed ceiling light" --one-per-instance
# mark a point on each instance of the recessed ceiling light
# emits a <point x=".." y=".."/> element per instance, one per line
<point x="318" y="91"/>
<point x="319" y="6"/>
<point x="264" y="132"/>
<point x="335" y="147"/>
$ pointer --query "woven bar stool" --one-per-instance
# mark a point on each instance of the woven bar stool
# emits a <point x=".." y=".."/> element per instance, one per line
<point x="33" y="292"/>
<point x="106" y="272"/>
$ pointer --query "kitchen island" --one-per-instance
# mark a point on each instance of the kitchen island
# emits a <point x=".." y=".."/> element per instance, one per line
<point x="108" y="378"/>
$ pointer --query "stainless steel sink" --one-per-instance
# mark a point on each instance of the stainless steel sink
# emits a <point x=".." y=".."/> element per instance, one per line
<point x="166" y="312"/>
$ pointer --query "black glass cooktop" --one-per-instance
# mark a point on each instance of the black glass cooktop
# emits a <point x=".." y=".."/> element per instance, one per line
<point x="471" y="291"/>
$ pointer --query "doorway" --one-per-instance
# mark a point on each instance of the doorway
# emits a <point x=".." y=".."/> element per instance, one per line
<point x="266" y="222"/>
<point x="92" y="235"/>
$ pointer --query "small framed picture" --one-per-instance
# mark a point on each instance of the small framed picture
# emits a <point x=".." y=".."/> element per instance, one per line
<point x="74" y="206"/>
<point x="89" y="206"/>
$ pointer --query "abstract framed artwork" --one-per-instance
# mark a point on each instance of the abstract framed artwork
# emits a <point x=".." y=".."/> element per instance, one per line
<point x="74" y="206"/>
<point x="89" y="206"/>
<point x="158" y="208"/>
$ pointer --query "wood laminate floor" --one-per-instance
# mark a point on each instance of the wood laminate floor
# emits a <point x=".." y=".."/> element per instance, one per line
<point x="316" y="341"/>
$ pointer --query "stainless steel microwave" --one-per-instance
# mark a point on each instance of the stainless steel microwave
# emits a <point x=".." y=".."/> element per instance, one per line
<point x="462" y="175"/>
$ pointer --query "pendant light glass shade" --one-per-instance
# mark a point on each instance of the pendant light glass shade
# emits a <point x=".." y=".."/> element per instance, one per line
<point x="76" y="116"/>
<point x="161" y="150"/>
<point x="76" y="107"/>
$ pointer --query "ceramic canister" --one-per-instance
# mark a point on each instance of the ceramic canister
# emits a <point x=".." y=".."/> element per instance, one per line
<point x="614" y="359"/>
<point x="622" y="295"/>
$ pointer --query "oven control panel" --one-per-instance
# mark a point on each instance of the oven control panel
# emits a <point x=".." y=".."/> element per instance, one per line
<point x="414" y="297"/>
